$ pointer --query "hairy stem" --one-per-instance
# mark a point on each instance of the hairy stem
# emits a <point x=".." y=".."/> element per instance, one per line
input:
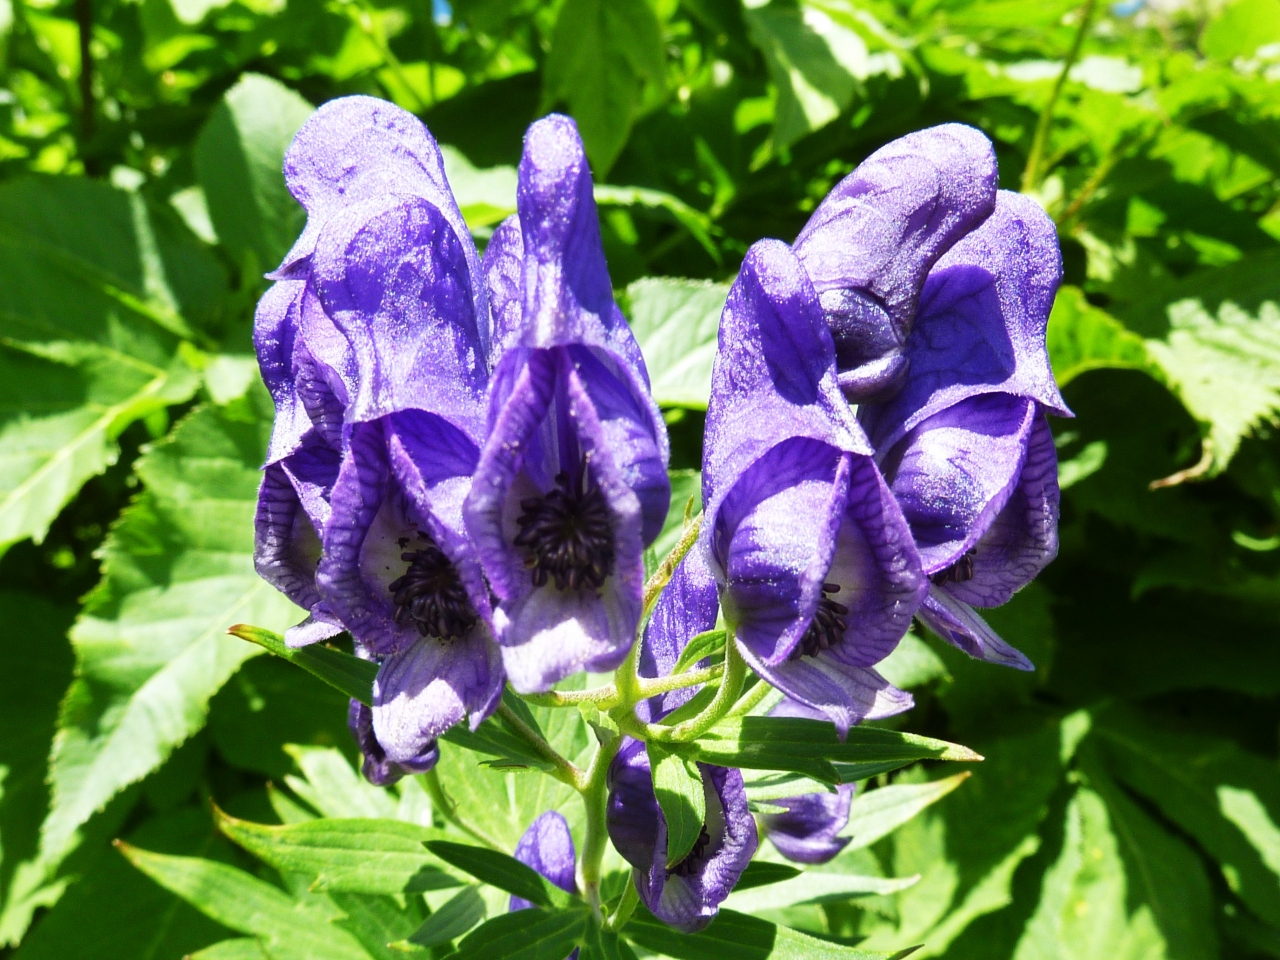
<point x="735" y="674"/>
<point x="449" y="810"/>
<point x="662" y="576"/>
<point x="751" y="700"/>
<point x="562" y="769"/>
<point x="608" y="697"/>
<point x="595" y="794"/>
<point x="1031" y="173"/>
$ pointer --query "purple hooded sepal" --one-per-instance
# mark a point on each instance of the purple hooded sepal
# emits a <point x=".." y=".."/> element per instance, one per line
<point x="688" y="895"/>
<point x="872" y="241"/>
<point x="377" y="768"/>
<point x="425" y="689"/>
<point x="960" y="625"/>
<point x="808" y="830"/>
<point x="547" y="847"/>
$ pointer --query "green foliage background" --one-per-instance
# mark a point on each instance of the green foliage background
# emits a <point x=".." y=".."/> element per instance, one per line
<point x="1129" y="805"/>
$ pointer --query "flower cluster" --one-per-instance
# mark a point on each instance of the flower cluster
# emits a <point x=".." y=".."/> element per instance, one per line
<point x="467" y="463"/>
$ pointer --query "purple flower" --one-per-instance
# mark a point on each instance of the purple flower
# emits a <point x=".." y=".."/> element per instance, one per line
<point x="808" y="831"/>
<point x="377" y="769"/>
<point x="687" y="895"/>
<point x="389" y="305"/>
<point x="964" y="444"/>
<point x="816" y="567"/>
<point x="547" y="846"/>
<point x="871" y="242"/>
<point x="572" y="483"/>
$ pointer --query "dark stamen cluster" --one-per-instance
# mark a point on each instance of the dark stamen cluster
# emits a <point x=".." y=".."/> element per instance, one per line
<point x="567" y="535"/>
<point x="826" y="628"/>
<point x="431" y="594"/>
<point x="958" y="572"/>
<point x="685" y="866"/>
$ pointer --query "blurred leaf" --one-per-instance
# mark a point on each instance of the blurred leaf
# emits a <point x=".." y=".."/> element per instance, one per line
<point x="814" y="886"/>
<point x="677" y="783"/>
<point x="525" y="935"/>
<point x="354" y="856"/>
<point x="1241" y="28"/>
<point x="1082" y="337"/>
<point x="290" y="929"/>
<point x="239" y="948"/>
<point x="150" y="645"/>
<point x="602" y="56"/>
<point x="502" y="871"/>
<point x="239" y="158"/>
<point x="879" y="812"/>
<point x="676" y="322"/>
<point x="912" y="664"/>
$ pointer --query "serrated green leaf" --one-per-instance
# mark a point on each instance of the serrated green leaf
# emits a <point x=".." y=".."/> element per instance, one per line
<point x="525" y="935"/>
<point x="502" y="871"/>
<point x="151" y="647"/>
<point x="736" y="936"/>
<point x="354" y="856"/>
<point x="676" y="323"/>
<point x="678" y="785"/>
<point x="601" y="58"/>
<point x="349" y="675"/>
<point x="454" y="918"/>
<point x="333" y="787"/>
<point x="239" y="156"/>
<point x="290" y="929"/>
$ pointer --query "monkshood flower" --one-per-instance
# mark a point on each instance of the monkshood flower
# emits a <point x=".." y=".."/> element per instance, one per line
<point x="547" y="846"/>
<point x="572" y="484"/>
<point x="808" y="830"/>
<point x="394" y="311"/>
<point x="377" y="769"/>
<point x="687" y="895"/>
<point x="871" y="242"/>
<point x="965" y="444"/>
<point x="817" y="571"/>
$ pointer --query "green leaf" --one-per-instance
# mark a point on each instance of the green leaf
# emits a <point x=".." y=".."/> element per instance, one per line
<point x="736" y="936"/>
<point x="879" y="812"/>
<point x="686" y="494"/>
<point x="377" y="921"/>
<point x="676" y="323"/>
<point x="602" y="56"/>
<point x="912" y="664"/>
<point x="95" y="293"/>
<point x="701" y="646"/>
<point x="502" y="871"/>
<point x="355" y="856"/>
<point x="1096" y="902"/>
<point x="1082" y="337"/>
<point x="239" y="948"/>
<point x="525" y="935"/>
<point x="151" y="647"/>
<point x="1241" y="28"/>
<point x="290" y="929"/>
<point x="603" y="944"/>
<point x="454" y="918"/>
<point x="112" y="912"/>
<point x="678" y="785"/>
<point x="814" y="886"/>
<point x="812" y="747"/>
<point x="1224" y="797"/>
<point x="697" y="223"/>
<point x="239" y="158"/>
<point x="761" y="873"/>
<point x="349" y="675"/>
<point x="333" y="787"/>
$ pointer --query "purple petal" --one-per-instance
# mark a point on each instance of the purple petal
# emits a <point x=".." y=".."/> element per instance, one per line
<point x="503" y="267"/>
<point x="981" y="323"/>
<point x="428" y="687"/>
<point x="833" y="688"/>
<point x="808" y="832"/>
<point x="547" y="846"/>
<point x="959" y="625"/>
<point x="871" y="242"/>
<point x="955" y="472"/>
<point x="397" y="280"/>
<point x="275" y="330"/>
<point x="377" y="769"/>
<point x="355" y="149"/>
<point x="688" y="606"/>
<point x="547" y="425"/>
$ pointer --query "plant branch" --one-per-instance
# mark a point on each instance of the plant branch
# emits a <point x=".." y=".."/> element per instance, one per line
<point x="1031" y="173"/>
<point x="608" y="697"/>
<point x="735" y="674"/>
<point x="449" y="810"/>
<point x="595" y="795"/>
<point x="662" y="576"/>
<point x="562" y="769"/>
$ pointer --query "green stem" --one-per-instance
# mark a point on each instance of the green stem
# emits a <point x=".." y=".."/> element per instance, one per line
<point x="751" y="700"/>
<point x="449" y="810"/>
<point x="661" y="576"/>
<point x="562" y="769"/>
<point x="608" y="697"/>
<point x="594" y="797"/>
<point x="626" y="906"/>
<point x="735" y="674"/>
<point x="1031" y="174"/>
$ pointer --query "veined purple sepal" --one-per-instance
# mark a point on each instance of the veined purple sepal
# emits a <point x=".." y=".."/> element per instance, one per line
<point x="808" y="831"/>
<point x="376" y="767"/>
